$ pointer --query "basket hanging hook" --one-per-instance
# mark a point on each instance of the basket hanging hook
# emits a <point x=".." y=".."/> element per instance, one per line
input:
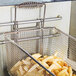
<point x="30" y="4"/>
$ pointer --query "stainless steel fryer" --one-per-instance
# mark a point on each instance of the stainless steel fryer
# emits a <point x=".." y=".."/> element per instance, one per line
<point x="29" y="41"/>
<point x="22" y="42"/>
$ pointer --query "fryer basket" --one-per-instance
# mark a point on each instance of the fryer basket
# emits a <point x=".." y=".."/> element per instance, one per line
<point x="53" y="40"/>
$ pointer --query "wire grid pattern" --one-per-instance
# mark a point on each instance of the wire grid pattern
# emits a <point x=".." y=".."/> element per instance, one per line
<point x="23" y="14"/>
<point x="60" y="45"/>
<point x="30" y="46"/>
<point x="2" y="58"/>
<point x="27" y="34"/>
<point x="14" y="55"/>
<point x="51" y="45"/>
<point x="72" y="49"/>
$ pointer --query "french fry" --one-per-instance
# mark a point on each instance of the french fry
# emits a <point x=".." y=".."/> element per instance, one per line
<point x="40" y="59"/>
<point x="33" y="67"/>
<point x="73" y="75"/>
<point x="28" y="67"/>
<point x="64" y="67"/>
<point x="70" y="71"/>
<point x="18" y="73"/>
<point x="21" y="70"/>
<point x="28" y="59"/>
<point x="34" y="73"/>
<point x="26" y="62"/>
<point x="50" y="58"/>
<point x="51" y="67"/>
<point x="40" y="70"/>
<point x="45" y="56"/>
<point x="63" y="73"/>
<point x="56" y="71"/>
<point x="45" y="65"/>
<point x="16" y="66"/>
<point x="31" y="73"/>
<point x="57" y="66"/>
<point x="36" y="56"/>
<point x="25" y="68"/>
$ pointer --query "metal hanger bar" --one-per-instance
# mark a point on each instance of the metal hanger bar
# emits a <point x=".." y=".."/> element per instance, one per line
<point x="25" y="29"/>
<point x="35" y="38"/>
<point x="69" y="36"/>
<point x="32" y="38"/>
<point x="30" y="21"/>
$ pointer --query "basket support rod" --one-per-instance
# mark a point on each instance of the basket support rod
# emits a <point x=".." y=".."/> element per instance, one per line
<point x="42" y="26"/>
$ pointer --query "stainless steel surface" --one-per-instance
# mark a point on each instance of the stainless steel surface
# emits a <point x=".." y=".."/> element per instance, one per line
<point x="30" y="21"/>
<point x="35" y="39"/>
<point x="25" y="34"/>
<point x="37" y="29"/>
<point x="37" y="33"/>
<point x="25" y="22"/>
<point x="53" y="40"/>
<point x="51" y="44"/>
<point x="29" y="5"/>
<point x="42" y="26"/>
<point x="29" y="55"/>
<point x="73" y="19"/>
<point x="72" y="49"/>
<point x="53" y="34"/>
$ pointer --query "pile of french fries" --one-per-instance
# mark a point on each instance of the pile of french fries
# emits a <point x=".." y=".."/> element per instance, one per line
<point x="53" y="63"/>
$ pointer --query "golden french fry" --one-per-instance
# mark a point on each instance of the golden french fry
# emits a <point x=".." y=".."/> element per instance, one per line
<point x="36" y="56"/>
<point x="25" y="68"/>
<point x="57" y="66"/>
<point x="28" y="67"/>
<point x="63" y="73"/>
<point x="50" y="58"/>
<point x="64" y="67"/>
<point x="45" y="56"/>
<point x="26" y="62"/>
<point x="27" y="59"/>
<point x="21" y="70"/>
<point x="40" y="70"/>
<point x="15" y="66"/>
<point x="40" y="59"/>
<point x="45" y="65"/>
<point x="18" y="73"/>
<point x="33" y="67"/>
<point x="56" y="71"/>
<point x="51" y="67"/>
<point x="70" y="71"/>
<point x="33" y="73"/>
<point x="74" y="75"/>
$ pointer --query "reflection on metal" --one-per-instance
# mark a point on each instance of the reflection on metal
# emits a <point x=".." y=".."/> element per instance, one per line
<point x="72" y="31"/>
<point x="52" y="34"/>
<point x="30" y="21"/>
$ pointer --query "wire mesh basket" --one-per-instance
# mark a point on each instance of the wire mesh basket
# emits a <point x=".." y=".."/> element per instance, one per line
<point x="32" y="41"/>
